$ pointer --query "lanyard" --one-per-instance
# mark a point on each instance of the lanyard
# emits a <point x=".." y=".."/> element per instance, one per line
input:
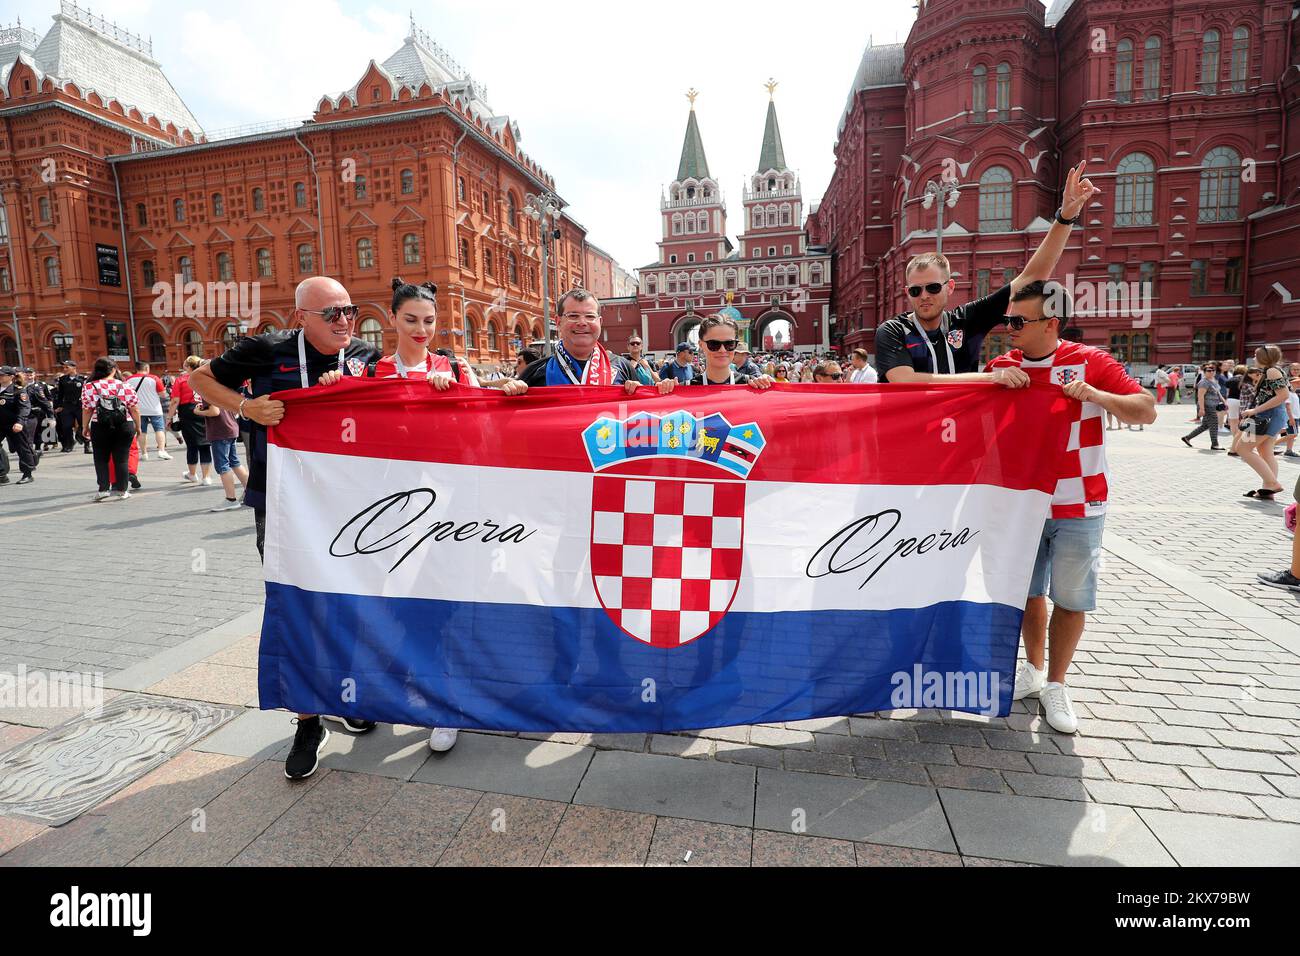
<point x="731" y="378"/>
<point x="401" y="367"/>
<point x="566" y="366"/>
<point x="302" y="359"/>
<point x="925" y="337"/>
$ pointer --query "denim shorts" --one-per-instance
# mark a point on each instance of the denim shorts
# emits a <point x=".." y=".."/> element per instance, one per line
<point x="1271" y="422"/>
<point x="151" y="421"/>
<point x="1069" y="553"/>
<point x="224" y="456"/>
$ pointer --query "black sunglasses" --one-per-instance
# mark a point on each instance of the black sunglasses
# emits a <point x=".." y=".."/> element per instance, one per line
<point x="834" y="377"/>
<point x="1018" y="322"/>
<point x="634" y="345"/>
<point x="727" y="345"/>
<point x="334" y="311"/>
<point x="934" y="288"/>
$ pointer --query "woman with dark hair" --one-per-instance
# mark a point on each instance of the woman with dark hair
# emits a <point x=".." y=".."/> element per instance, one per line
<point x="719" y="336"/>
<point x="111" y="417"/>
<point x="415" y="318"/>
<point x="1233" y="397"/>
<point x="194" y="428"/>
<point x="1265" y="418"/>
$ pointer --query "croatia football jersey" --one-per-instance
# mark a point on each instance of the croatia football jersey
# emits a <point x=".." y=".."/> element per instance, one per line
<point x="1081" y="488"/>
<point x="386" y="367"/>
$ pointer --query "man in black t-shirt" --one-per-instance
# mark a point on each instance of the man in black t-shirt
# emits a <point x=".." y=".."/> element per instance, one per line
<point x="932" y="340"/>
<point x="320" y="353"/>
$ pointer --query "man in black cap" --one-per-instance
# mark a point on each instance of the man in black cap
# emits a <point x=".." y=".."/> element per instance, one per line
<point x="681" y="367"/>
<point x="67" y="407"/>
<point x="42" y="409"/>
<point x="15" y="409"/>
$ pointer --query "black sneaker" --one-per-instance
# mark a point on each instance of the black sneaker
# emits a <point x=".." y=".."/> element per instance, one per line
<point x="304" y="755"/>
<point x="353" y="725"/>
<point x="1280" y="579"/>
<point x="25" y="480"/>
<point x="1186" y="441"/>
<point x="135" y="482"/>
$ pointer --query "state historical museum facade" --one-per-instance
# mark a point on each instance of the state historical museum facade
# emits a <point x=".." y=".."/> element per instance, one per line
<point x="1188" y="115"/>
<point x="109" y="188"/>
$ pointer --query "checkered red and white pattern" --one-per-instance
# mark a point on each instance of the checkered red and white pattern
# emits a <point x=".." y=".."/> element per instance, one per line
<point x="666" y="554"/>
<point x="1082" y="487"/>
<point x="107" y="386"/>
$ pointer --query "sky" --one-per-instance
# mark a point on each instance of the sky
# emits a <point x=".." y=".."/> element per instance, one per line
<point x="597" y="88"/>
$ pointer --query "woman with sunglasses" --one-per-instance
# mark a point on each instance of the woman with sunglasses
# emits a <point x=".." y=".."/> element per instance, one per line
<point x="1265" y="418"/>
<point x="1208" y="400"/>
<point x="719" y="336"/>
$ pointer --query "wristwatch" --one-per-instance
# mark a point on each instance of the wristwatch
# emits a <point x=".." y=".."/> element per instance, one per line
<point x="1066" y="222"/>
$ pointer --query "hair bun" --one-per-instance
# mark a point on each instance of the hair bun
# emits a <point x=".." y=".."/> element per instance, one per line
<point x="431" y="286"/>
<point x="398" y="283"/>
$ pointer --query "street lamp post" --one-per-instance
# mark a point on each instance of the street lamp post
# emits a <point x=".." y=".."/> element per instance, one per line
<point x="544" y="209"/>
<point x="947" y="191"/>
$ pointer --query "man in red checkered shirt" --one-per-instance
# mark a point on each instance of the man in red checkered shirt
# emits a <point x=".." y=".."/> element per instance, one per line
<point x="1070" y="549"/>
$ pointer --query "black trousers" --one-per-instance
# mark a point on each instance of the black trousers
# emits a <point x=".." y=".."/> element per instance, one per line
<point x="68" y="423"/>
<point x="22" y="447"/>
<point x="34" y="427"/>
<point x="115" y="445"/>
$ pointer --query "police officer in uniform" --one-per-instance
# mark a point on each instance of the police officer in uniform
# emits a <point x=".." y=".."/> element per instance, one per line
<point x="67" y="407"/>
<point x="15" y="409"/>
<point x="42" y="400"/>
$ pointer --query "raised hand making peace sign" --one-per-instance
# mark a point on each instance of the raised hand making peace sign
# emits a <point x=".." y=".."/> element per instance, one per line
<point x="1077" y="192"/>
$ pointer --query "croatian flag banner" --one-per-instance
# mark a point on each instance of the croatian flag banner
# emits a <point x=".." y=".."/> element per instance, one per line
<point x="575" y="560"/>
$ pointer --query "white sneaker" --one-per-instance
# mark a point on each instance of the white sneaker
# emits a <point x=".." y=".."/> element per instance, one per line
<point x="1029" y="680"/>
<point x="1060" y="712"/>
<point x="124" y="495"/>
<point x="208" y="481"/>
<point x="144" y="457"/>
<point x="186" y="476"/>
<point x="442" y="739"/>
<point x="163" y="456"/>
<point x="227" y="505"/>
<point x="101" y="495"/>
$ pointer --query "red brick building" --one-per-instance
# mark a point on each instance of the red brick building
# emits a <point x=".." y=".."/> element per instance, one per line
<point x="124" y="231"/>
<point x="1188" y="116"/>
<point x="771" y="274"/>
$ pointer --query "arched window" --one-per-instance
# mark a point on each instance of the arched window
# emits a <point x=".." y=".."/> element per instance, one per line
<point x="492" y="342"/>
<point x="1210" y="62"/>
<point x="187" y="269"/>
<point x="677" y="224"/>
<point x="410" y="248"/>
<point x="979" y="98"/>
<point x="225" y="269"/>
<point x="305" y="258"/>
<point x="218" y="205"/>
<point x="1240" y="59"/>
<point x="408" y="182"/>
<point x="460" y="188"/>
<point x="1151" y="69"/>
<point x="771" y="215"/>
<point x="178" y="209"/>
<point x="193" y="343"/>
<point x="512" y="268"/>
<point x="300" y="195"/>
<point x="729" y="278"/>
<point x="512" y="211"/>
<point x="1004" y="92"/>
<point x="365" y="254"/>
<point x="259" y="199"/>
<point x="264" y="263"/>
<point x="9" y="351"/>
<point x="995" y="200"/>
<point x="760" y="221"/>
<point x="372" y="333"/>
<point x="147" y="272"/>
<point x="1135" y="182"/>
<point x="703" y="224"/>
<point x="690" y="225"/>
<point x="359" y="187"/>
<point x="471" y="333"/>
<point x="156" y="349"/>
<point x="1220" y="185"/>
<point x="785" y="215"/>
<point x="1124" y="71"/>
<point x="464" y="253"/>
<point x="141" y="214"/>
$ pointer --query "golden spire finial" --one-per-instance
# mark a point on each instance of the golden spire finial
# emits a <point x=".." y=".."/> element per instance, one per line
<point x="691" y="94"/>
<point x="771" y="85"/>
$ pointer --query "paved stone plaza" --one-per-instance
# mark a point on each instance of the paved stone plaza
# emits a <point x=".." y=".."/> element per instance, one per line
<point x="1187" y="686"/>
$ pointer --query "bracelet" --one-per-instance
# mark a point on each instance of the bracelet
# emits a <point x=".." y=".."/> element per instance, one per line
<point x="1062" y="220"/>
<point x="240" y="413"/>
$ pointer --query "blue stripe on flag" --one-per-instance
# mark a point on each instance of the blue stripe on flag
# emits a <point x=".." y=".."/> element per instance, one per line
<point x="529" y="668"/>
